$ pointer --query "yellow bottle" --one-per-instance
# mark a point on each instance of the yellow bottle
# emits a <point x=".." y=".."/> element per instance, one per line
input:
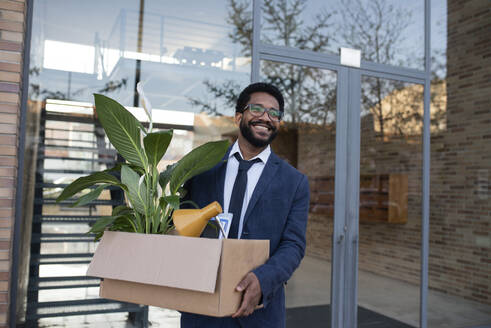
<point x="192" y="222"/>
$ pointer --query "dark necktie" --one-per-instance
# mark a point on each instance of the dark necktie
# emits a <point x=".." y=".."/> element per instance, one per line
<point x="237" y="198"/>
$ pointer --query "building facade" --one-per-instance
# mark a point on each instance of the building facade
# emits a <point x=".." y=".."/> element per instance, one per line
<point x="50" y="56"/>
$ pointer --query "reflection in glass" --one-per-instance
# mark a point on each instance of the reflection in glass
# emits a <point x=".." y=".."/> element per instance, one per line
<point x="390" y="198"/>
<point x="83" y="47"/>
<point x="307" y="140"/>
<point x="294" y="24"/>
<point x="72" y="58"/>
<point x="386" y="32"/>
<point x="310" y="93"/>
<point x="396" y="107"/>
<point x="460" y="240"/>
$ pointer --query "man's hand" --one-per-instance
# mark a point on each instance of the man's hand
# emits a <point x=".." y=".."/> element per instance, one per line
<point x="252" y="294"/>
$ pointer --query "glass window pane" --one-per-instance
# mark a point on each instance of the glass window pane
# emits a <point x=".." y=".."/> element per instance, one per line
<point x="307" y="140"/>
<point x="460" y="236"/>
<point x="390" y="200"/>
<point x="386" y="32"/>
<point x="299" y="24"/>
<point x="310" y="93"/>
<point x="71" y="58"/>
<point x="192" y="67"/>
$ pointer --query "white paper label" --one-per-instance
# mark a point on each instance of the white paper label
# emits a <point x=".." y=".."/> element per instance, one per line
<point x="350" y="57"/>
<point x="224" y="220"/>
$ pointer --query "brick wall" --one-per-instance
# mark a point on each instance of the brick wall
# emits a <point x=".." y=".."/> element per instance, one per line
<point x="460" y="240"/>
<point x="12" y="16"/>
<point x="460" y="213"/>
<point x="380" y="243"/>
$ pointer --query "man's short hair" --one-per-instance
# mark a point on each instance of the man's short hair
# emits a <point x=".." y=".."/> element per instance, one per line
<point x="245" y="95"/>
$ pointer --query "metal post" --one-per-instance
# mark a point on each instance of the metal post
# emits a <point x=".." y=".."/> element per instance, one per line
<point x="425" y="224"/>
<point x="136" y="97"/>
<point x="339" y="233"/>
<point x="256" y="40"/>
<point x="353" y="200"/>
<point x="14" y="276"/>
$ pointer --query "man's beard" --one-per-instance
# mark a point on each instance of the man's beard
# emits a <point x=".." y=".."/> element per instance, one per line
<point x="245" y="129"/>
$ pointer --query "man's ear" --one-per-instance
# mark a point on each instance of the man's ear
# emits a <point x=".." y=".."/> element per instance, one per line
<point x="238" y="117"/>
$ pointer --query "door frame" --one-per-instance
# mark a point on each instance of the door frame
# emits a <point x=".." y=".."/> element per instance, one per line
<point x="345" y="237"/>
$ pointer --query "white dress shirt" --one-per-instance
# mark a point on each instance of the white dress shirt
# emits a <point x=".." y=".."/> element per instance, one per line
<point x="252" y="178"/>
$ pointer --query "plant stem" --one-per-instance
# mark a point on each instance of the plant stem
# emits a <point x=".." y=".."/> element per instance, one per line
<point x="132" y="223"/>
<point x="138" y="221"/>
<point x="165" y="223"/>
<point x="155" y="207"/>
<point x="147" y="208"/>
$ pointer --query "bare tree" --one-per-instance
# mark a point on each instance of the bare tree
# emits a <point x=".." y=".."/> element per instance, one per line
<point x="375" y="27"/>
<point x="309" y="92"/>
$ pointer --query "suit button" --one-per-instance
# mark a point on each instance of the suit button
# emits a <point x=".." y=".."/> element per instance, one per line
<point x="245" y="233"/>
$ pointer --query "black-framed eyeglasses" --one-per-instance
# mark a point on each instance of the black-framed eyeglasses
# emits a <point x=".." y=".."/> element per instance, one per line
<point x="258" y="110"/>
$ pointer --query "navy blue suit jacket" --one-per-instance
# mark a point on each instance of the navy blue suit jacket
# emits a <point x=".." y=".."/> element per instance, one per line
<point x="277" y="211"/>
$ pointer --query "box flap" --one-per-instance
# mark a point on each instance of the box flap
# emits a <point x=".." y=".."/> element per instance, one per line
<point x="163" y="260"/>
<point x="239" y="256"/>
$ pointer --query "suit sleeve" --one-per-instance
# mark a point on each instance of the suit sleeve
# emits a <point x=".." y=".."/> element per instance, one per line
<point x="280" y="266"/>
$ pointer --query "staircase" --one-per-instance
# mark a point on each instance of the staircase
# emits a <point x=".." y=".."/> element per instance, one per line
<point x="70" y="146"/>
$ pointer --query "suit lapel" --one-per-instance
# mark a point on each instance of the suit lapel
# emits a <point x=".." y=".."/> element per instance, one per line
<point x="264" y="181"/>
<point x="221" y="169"/>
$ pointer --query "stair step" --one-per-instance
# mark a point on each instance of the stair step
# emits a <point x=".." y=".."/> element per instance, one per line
<point x="65" y="218"/>
<point x="65" y="171"/>
<point x="74" y="160"/>
<point x="63" y="185"/>
<point x="67" y="130"/>
<point x="80" y="159"/>
<point x="78" y="307"/>
<point x="52" y="201"/>
<point x="62" y="238"/>
<point x="61" y="258"/>
<point x="67" y="117"/>
<point x="70" y="140"/>
<point x="78" y="148"/>
<point x="64" y="282"/>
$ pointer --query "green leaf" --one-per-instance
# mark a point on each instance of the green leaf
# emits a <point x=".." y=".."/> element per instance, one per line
<point x="117" y="168"/>
<point x="87" y="181"/>
<point x="124" y="223"/>
<point x="156" y="144"/>
<point x="121" y="210"/>
<point x="102" y="223"/>
<point x="122" y="129"/>
<point x="164" y="177"/>
<point x="173" y="201"/>
<point x="114" y="223"/>
<point x="197" y="161"/>
<point x="85" y="199"/>
<point x="98" y="236"/>
<point x="136" y="193"/>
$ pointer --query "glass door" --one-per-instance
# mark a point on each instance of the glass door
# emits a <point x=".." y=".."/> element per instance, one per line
<point x="307" y="140"/>
<point x="374" y="153"/>
<point x="390" y="198"/>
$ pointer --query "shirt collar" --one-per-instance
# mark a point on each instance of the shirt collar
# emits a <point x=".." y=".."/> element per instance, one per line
<point x="263" y="156"/>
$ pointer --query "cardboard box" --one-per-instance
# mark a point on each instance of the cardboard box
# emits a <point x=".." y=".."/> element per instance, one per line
<point x="197" y="275"/>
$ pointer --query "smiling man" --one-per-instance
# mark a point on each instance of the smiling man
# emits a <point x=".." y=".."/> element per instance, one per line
<point x="269" y="199"/>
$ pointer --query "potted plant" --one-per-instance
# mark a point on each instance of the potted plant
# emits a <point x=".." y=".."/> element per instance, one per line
<point x="151" y="195"/>
<point x="197" y="275"/>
